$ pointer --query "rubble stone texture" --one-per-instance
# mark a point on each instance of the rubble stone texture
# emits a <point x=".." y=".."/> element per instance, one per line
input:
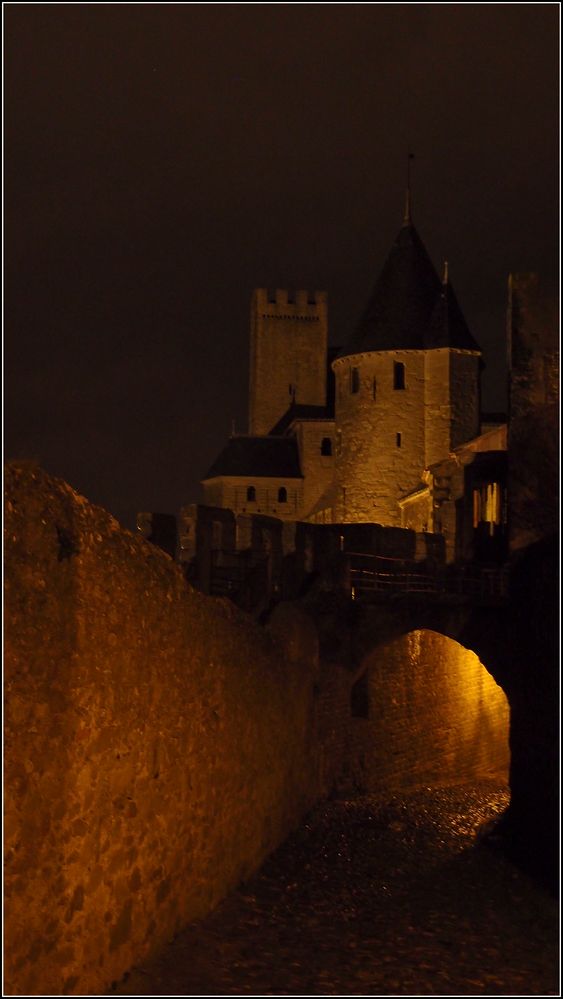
<point x="376" y="896"/>
<point x="157" y="743"/>
<point x="533" y="437"/>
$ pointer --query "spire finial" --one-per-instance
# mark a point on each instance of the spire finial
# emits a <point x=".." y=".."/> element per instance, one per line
<point x="407" y="218"/>
<point x="445" y="277"/>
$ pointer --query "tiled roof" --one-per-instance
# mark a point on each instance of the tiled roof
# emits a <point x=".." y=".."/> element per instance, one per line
<point x="258" y="457"/>
<point x="300" y="412"/>
<point x="447" y="327"/>
<point x="406" y="310"/>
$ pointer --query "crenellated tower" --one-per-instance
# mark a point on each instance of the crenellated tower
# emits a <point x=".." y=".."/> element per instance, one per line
<point x="288" y="349"/>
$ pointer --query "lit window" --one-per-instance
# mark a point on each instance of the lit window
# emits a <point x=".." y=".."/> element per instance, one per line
<point x="282" y="495"/>
<point x="326" y="446"/>
<point x="487" y="505"/>
<point x="398" y="375"/>
<point x="251" y="494"/>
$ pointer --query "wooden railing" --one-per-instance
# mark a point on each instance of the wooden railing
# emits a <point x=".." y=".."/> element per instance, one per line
<point x="229" y="569"/>
<point x="372" y="577"/>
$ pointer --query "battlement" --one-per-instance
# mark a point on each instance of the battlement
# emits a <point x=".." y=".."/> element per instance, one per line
<point x="288" y="344"/>
<point x="281" y="303"/>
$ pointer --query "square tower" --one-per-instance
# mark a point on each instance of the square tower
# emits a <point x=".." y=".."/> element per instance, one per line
<point x="288" y="350"/>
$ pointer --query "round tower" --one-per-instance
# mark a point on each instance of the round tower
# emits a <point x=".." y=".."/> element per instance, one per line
<point x="407" y="387"/>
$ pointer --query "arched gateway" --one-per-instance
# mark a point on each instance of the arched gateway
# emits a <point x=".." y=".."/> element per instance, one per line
<point x="425" y="710"/>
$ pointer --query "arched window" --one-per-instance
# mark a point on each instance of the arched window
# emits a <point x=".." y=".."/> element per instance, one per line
<point x="398" y="375"/>
<point x="282" y="495"/>
<point x="354" y="380"/>
<point x="251" y="494"/>
<point x="326" y="446"/>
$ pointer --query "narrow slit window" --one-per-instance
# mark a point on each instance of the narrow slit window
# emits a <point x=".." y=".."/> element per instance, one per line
<point x="354" y="380"/>
<point x="326" y="446"/>
<point x="282" y="495"/>
<point x="398" y="440"/>
<point x="398" y="375"/>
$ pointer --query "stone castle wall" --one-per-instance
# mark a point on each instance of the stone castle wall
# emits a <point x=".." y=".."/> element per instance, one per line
<point x="451" y="401"/>
<point x="231" y="494"/>
<point x="158" y="744"/>
<point x="288" y="347"/>
<point x="373" y="467"/>
<point x="317" y="468"/>
<point x="427" y="711"/>
<point x="533" y="429"/>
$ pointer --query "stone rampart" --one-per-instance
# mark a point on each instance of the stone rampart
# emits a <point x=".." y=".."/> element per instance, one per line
<point x="158" y="744"/>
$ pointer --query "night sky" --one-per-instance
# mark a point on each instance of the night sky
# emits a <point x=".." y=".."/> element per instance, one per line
<point x="162" y="161"/>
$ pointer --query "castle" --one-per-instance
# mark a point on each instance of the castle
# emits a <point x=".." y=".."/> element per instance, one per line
<point x="380" y="431"/>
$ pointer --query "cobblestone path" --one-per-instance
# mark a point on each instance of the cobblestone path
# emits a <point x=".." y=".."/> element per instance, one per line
<point x="375" y="896"/>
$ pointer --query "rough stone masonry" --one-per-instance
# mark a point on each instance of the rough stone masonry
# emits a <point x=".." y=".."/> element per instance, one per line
<point x="157" y="743"/>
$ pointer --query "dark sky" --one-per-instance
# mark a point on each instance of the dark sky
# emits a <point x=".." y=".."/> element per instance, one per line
<point x="161" y="161"/>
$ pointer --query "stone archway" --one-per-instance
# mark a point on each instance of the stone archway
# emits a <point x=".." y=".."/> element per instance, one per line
<point x="425" y="710"/>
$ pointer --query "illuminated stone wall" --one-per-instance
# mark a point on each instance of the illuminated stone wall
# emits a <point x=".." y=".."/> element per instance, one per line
<point x="288" y="345"/>
<point x="386" y="436"/>
<point x="371" y="470"/>
<point x="231" y="493"/>
<point x="158" y="744"/>
<point x="427" y="712"/>
<point x="451" y="401"/>
<point x="317" y="468"/>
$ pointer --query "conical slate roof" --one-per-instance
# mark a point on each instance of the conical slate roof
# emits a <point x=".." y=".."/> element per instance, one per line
<point x="447" y="327"/>
<point x="403" y="312"/>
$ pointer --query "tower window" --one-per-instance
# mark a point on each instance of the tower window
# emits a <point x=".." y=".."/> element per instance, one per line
<point x="398" y="440"/>
<point x="251" y="494"/>
<point x="326" y="446"/>
<point x="282" y="495"/>
<point x="354" y="380"/>
<point x="398" y="375"/>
